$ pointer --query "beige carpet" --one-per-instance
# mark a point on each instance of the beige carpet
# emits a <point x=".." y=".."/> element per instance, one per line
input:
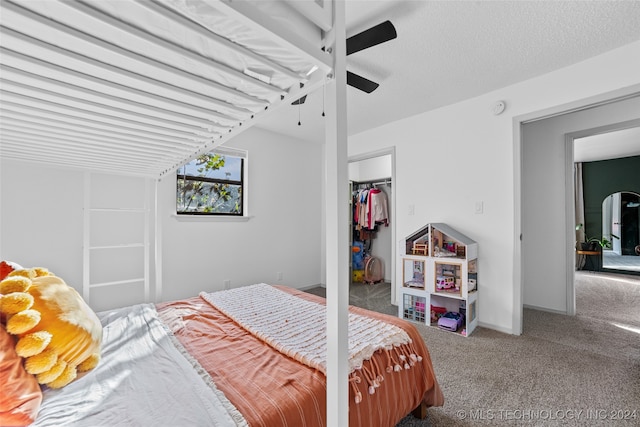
<point x="579" y="370"/>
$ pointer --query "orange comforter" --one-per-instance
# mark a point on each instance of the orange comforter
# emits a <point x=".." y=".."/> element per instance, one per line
<point x="272" y="390"/>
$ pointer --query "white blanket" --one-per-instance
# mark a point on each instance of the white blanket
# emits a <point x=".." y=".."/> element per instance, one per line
<point x="297" y="327"/>
<point x="143" y="379"/>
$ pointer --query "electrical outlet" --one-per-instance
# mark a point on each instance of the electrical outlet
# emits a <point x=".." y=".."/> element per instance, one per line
<point x="279" y="276"/>
<point x="227" y="284"/>
<point x="479" y="207"/>
<point x="411" y="210"/>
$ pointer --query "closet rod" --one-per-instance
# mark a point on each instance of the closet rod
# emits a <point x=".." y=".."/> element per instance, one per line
<point x="387" y="181"/>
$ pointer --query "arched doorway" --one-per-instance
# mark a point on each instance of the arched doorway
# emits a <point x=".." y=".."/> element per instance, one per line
<point x="621" y="221"/>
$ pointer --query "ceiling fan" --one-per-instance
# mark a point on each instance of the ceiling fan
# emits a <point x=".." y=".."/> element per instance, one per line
<point x="373" y="36"/>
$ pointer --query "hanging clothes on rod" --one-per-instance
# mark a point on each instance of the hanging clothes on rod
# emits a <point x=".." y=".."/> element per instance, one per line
<point x="370" y="184"/>
<point x="370" y="208"/>
<point x="378" y="211"/>
<point x="370" y="211"/>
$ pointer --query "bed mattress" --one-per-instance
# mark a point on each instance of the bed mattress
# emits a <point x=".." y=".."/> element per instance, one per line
<point x="270" y="389"/>
<point x="187" y="363"/>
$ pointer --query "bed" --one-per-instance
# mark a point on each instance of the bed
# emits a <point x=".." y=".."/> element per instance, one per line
<point x="189" y="362"/>
<point x="139" y="88"/>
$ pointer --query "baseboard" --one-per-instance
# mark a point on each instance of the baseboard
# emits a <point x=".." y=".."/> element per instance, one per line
<point x="496" y="328"/>
<point x="548" y="310"/>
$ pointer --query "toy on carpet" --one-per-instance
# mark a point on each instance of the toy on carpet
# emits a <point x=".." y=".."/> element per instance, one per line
<point x="57" y="333"/>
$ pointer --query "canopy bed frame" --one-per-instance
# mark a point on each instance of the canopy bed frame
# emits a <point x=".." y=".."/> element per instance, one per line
<point x="143" y="86"/>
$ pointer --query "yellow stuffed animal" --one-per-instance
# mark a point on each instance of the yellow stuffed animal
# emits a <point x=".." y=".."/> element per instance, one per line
<point x="58" y="333"/>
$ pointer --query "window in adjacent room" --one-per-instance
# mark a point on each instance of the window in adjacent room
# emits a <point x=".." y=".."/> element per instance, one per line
<point x="212" y="184"/>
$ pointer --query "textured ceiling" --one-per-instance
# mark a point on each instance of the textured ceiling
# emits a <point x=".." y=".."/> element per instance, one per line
<point x="448" y="51"/>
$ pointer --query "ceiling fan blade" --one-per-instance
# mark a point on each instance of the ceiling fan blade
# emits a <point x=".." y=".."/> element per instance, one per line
<point x="361" y="83"/>
<point x="299" y="101"/>
<point x="373" y="36"/>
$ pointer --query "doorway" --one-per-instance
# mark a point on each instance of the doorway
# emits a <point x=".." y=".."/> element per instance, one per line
<point x="377" y="169"/>
<point x="621" y="221"/>
<point x="545" y="238"/>
<point x="607" y="185"/>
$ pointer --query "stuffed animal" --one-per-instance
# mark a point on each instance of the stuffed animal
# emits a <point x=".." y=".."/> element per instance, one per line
<point x="58" y="333"/>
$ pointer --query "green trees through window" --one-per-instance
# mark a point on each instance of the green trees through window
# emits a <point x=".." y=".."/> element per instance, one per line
<point x="211" y="184"/>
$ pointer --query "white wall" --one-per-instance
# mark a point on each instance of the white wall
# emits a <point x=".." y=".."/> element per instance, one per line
<point x="448" y="159"/>
<point x="43" y="226"/>
<point x="42" y="218"/>
<point x="282" y="235"/>
<point x="371" y="169"/>
<point x="41" y="209"/>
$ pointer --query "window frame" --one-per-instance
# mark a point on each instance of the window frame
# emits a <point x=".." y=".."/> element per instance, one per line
<point x="242" y="183"/>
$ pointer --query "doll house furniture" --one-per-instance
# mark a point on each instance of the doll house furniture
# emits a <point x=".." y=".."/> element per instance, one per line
<point x="439" y="268"/>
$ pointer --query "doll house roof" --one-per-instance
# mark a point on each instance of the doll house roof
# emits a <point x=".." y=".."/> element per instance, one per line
<point x="422" y="234"/>
<point x="452" y="233"/>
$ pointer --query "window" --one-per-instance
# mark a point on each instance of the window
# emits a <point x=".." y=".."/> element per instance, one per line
<point x="212" y="184"/>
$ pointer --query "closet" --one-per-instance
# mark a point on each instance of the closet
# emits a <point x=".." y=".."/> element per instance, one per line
<point x="369" y="215"/>
<point x="370" y="220"/>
